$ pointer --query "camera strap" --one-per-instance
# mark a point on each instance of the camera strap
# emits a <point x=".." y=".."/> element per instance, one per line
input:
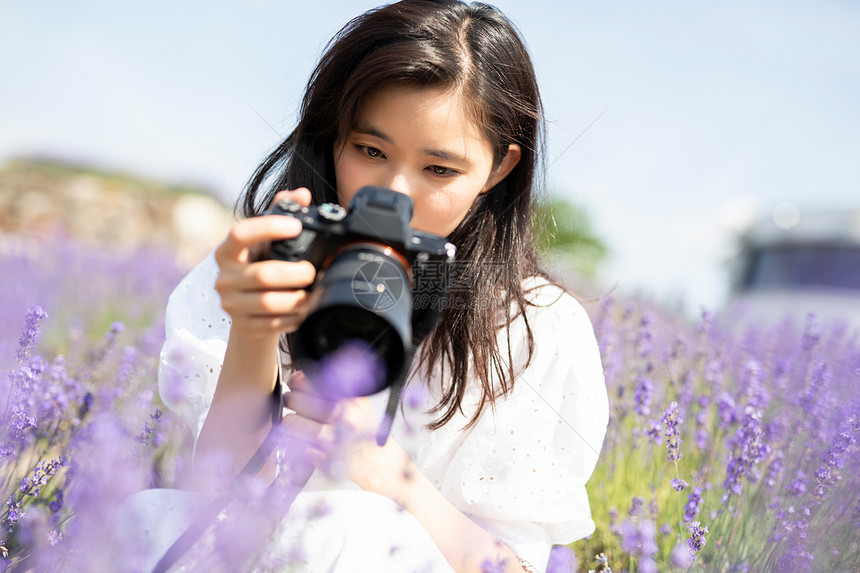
<point x="207" y="517"/>
<point x="395" y="390"/>
<point x="209" y="514"/>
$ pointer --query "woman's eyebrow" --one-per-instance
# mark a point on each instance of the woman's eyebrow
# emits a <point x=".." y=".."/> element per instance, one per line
<point x="364" y="129"/>
<point x="447" y="155"/>
<point x="368" y="130"/>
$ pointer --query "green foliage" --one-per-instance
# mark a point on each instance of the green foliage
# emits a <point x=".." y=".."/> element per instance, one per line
<point x="564" y="233"/>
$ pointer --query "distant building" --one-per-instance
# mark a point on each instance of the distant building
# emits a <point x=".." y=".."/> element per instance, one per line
<point x="799" y="264"/>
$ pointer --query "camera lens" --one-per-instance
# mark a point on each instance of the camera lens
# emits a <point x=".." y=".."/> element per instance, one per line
<point x="363" y="295"/>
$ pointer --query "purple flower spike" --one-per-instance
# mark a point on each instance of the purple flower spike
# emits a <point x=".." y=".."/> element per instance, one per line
<point x="672" y="419"/>
<point x="642" y="395"/>
<point x="561" y="560"/>
<point x="697" y="537"/>
<point x="655" y="432"/>
<point x="30" y="333"/>
<point x="678" y="484"/>
<point x="682" y="556"/>
<point x="637" y="503"/>
<point x="811" y="334"/>
<point x="639" y="538"/>
<point x="833" y="459"/>
<point x="693" y="506"/>
<point x="748" y="449"/>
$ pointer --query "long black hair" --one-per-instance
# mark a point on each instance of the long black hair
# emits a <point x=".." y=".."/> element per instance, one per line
<point x="476" y="50"/>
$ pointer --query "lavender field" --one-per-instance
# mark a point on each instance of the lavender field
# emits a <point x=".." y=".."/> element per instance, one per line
<point x="81" y="425"/>
<point x="731" y="446"/>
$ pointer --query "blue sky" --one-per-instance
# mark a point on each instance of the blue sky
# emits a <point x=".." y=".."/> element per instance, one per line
<point x="709" y="115"/>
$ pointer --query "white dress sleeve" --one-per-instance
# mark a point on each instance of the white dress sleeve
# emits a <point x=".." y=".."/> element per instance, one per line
<point x="196" y="330"/>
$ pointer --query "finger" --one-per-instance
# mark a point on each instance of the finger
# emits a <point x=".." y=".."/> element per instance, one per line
<point x="295" y="458"/>
<point x="250" y="232"/>
<point x="265" y="275"/>
<point x="312" y="406"/>
<point x="269" y="303"/>
<point x="299" y="382"/>
<point x="262" y="325"/>
<point x="302" y="196"/>
<point x="317" y="434"/>
<point x="280" y="274"/>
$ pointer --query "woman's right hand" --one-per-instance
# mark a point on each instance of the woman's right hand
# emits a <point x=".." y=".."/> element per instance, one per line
<point x="264" y="298"/>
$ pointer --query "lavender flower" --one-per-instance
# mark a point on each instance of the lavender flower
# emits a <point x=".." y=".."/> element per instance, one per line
<point x="116" y="327"/>
<point x="697" y="540"/>
<point x="678" y="484"/>
<point x="13" y="513"/>
<point x="561" y="560"/>
<point x="693" y="506"/>
<point x="714" y="373"/>
<point x="811" y="334"/>
<point x="707" y="321"/>
<point x="636" y="505"/>
<point x="774" y="470"/>
<point x="702" y="438"/>
<point x="614" y="514"/>
<point x="811" y="396"/>
<point x="644" y="336"/>
<point x="6" y="451"/>
<point x="751" y="382"/>
<point x="602" y="563"/>
<point x="671" y="420"/>
<point x="797" y="487"/>
<point x="638" y="538"/>
<point x="748" y="449"/>
<point x="30" y="333"/>
<point x="655" y="432"/>
<point x="353" y="370"/>
<point x="855" y="517"/>
<point x="642" y="395"/>
<point x="726" y="410"/>
<point x="834" y="457"/>
<point x="42" y="473"/>
<point x="682" y="556"/>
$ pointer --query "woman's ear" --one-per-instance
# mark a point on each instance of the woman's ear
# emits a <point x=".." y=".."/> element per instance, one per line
<point x="509" y="161"/>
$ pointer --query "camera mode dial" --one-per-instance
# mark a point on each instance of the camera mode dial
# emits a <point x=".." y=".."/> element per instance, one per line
<point x="289" y="206"/>
<point x="332" y="212"/>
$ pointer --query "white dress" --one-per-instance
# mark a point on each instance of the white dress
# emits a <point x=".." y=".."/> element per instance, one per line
<point x="519" y="471"/>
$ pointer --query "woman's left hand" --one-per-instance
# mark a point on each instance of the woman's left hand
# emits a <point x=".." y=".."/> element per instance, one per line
<point x="340" y="438"/>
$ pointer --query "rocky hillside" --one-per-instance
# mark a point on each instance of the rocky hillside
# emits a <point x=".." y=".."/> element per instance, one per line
<point x="39" y="198"/>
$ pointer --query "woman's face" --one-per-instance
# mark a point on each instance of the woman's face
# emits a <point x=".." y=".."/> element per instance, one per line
<point x="420" y="142"/>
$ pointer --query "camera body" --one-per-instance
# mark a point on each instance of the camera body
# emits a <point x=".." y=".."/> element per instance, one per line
<point x="378" y="280"/>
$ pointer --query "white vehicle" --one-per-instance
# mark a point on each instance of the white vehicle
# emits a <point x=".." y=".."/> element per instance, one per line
<point x="808" y="263"/>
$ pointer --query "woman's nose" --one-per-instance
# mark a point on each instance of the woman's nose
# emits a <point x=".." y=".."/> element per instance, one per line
<point x="399" y="182"/>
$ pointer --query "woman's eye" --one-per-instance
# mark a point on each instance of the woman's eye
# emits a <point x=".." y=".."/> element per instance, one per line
<point x="443" y="171"/>
<point x="370" y="151"/>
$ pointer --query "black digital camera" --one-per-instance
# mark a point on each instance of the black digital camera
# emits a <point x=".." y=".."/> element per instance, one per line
<point x="378" y="281"/>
